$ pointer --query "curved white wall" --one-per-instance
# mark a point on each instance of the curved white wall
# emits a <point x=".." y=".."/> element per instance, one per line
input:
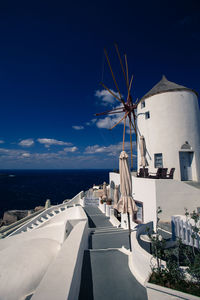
<point x="174" y="119"/>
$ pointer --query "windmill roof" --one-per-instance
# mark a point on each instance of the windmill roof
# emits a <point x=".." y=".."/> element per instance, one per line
<point x="164" y="86"/>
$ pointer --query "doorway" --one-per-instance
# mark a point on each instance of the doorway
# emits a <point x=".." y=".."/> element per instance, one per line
<point x="186" y="165"/>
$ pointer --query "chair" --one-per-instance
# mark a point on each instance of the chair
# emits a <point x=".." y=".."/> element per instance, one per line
<point x="171" y="174"/>
<point x="143" y="172"/>
<point x="156" y="175"/>
<point x="146" y="172"/>
<point x="164" y="173"/>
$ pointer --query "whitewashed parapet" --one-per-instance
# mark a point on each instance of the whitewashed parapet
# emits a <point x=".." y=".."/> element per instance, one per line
<point x="142" y="261"/>
<point x="45" y="213"/>
<point x="182" y="228"/>
<point x="75" y="199"/>
<point x="113" y="219"/>
<point x="6" y="230"/>
<point x="155" y="291"/>
<point x="63" y="277"/>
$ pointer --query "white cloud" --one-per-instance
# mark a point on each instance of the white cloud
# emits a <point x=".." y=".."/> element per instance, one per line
<point x="26" y="154"/>
<point x="13" y="153"/>
<point x="106" y="97"/>
<point x="111" y="150"/>
<point x="49" y="142"/>
<point x="109" y="121"/>
<point x="93" y="121"/>
<point x="26" y="143"/>
<point x="2" y="142"/>
<point x="71" y="149"/>
<point x="76" y="127"/>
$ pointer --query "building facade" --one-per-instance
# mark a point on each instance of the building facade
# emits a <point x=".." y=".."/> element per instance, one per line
<point x="168" y="118"/>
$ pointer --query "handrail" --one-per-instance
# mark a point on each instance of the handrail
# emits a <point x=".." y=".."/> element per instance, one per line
<point x="19" y="222"/>
<point x="74" y="200"/>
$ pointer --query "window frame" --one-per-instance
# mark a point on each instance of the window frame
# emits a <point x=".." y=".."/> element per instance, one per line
<point x="156" y="161"/>
<point x="147" y="115"/>
<point x="143" y="104"/>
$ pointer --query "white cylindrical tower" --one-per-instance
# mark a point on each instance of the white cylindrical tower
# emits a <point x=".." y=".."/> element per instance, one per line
<point x="168" y="118"/>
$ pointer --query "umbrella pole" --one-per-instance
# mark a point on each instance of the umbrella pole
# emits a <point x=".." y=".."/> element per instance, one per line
<point x="129" y="227"/>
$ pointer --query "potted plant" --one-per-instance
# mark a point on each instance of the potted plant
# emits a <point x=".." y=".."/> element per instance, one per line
<point x="109" y="201"/>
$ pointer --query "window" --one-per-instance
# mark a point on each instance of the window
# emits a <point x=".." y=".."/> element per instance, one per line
<point x="147" y="115"/>
<point x="138" y="217"/>
<point x="158" y="160"/>
<point x="142" y="104"/>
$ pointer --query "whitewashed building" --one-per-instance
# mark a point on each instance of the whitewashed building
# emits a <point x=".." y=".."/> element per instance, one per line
<point x="168" y="118"/>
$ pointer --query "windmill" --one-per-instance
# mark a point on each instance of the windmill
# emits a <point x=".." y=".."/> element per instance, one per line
<point x="129" y="106"/>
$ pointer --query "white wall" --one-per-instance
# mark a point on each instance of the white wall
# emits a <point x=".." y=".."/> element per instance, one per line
<point x="62" y="280"/>
<point x="174" y="119"/>
<point x="141" y="259"/>
<point x="171" y="195"/>
<point x="144" y="191"/>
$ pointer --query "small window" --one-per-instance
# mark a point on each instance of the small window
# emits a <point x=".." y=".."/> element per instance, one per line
<point x="158" y="160"/>
<point x="147" y="115"/>
<point x="142" y="104"/>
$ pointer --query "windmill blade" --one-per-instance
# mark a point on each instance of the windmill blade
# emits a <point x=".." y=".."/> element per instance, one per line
<point x="127" y="79"/>
<point x="120" y="120"/>
<point x="135" y="126"/>
<point x="115" y="96"/>
<point x="137" y="100"/>
<point x="120" y="60"/>
<point x="131" y="144"/>
<point x="113" y="76"/>
<point x="129" y="88"/>
<point x="124" y="132"/>
<point x="135" y="129"/>
<point x="114" y="111"/>
<point x="109" y="113"/>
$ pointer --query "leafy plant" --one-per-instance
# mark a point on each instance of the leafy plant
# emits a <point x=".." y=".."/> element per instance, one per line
<point x="172" y="275"/>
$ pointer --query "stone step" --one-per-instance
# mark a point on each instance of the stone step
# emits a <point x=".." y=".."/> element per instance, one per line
<point x="109" y="240"/>
<point x="106" y="273"/>
<point x="109" y="231"/>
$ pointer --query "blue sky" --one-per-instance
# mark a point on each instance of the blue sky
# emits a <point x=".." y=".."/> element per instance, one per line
<point x="51" y="63"/>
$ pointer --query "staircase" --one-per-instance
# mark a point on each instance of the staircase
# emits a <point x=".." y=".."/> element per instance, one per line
<point x="105" y="271"/>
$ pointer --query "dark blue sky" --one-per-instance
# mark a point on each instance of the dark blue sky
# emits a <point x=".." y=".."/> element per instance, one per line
<point x="51" y="63"/>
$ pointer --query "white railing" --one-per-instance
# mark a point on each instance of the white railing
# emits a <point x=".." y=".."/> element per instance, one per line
<point x="5" y="230"/>
<point x="44" y="216"/>
<point x="75" y="199"/>
<point x="182" y="228"/>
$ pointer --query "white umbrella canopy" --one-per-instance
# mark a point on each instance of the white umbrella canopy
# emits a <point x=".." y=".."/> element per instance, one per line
<point x="143" y="161"/>
<point x="104" y="197"/>
<point x="126" y="203"/>
<point x="116" y="196"/>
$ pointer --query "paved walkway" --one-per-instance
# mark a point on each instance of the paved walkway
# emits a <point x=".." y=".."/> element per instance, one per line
<point x="193" y="183"/>
<point x="105" y="272"/>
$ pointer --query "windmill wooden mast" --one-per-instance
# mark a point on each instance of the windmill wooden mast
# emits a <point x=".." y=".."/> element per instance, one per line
<point x="128" y="107"/>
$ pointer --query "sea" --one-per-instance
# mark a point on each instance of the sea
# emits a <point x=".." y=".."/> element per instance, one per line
<point x="26" y="189"/>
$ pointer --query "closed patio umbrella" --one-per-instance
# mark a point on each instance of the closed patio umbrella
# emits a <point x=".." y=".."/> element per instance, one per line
<point x="126" y="203"/>
<point x="104" y="197"/>
<point x="116" y="196"/>
<point x="143" y="161"/>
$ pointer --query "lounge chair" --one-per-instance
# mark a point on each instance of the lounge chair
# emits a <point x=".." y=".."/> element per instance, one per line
<point x="171" y="174"/>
